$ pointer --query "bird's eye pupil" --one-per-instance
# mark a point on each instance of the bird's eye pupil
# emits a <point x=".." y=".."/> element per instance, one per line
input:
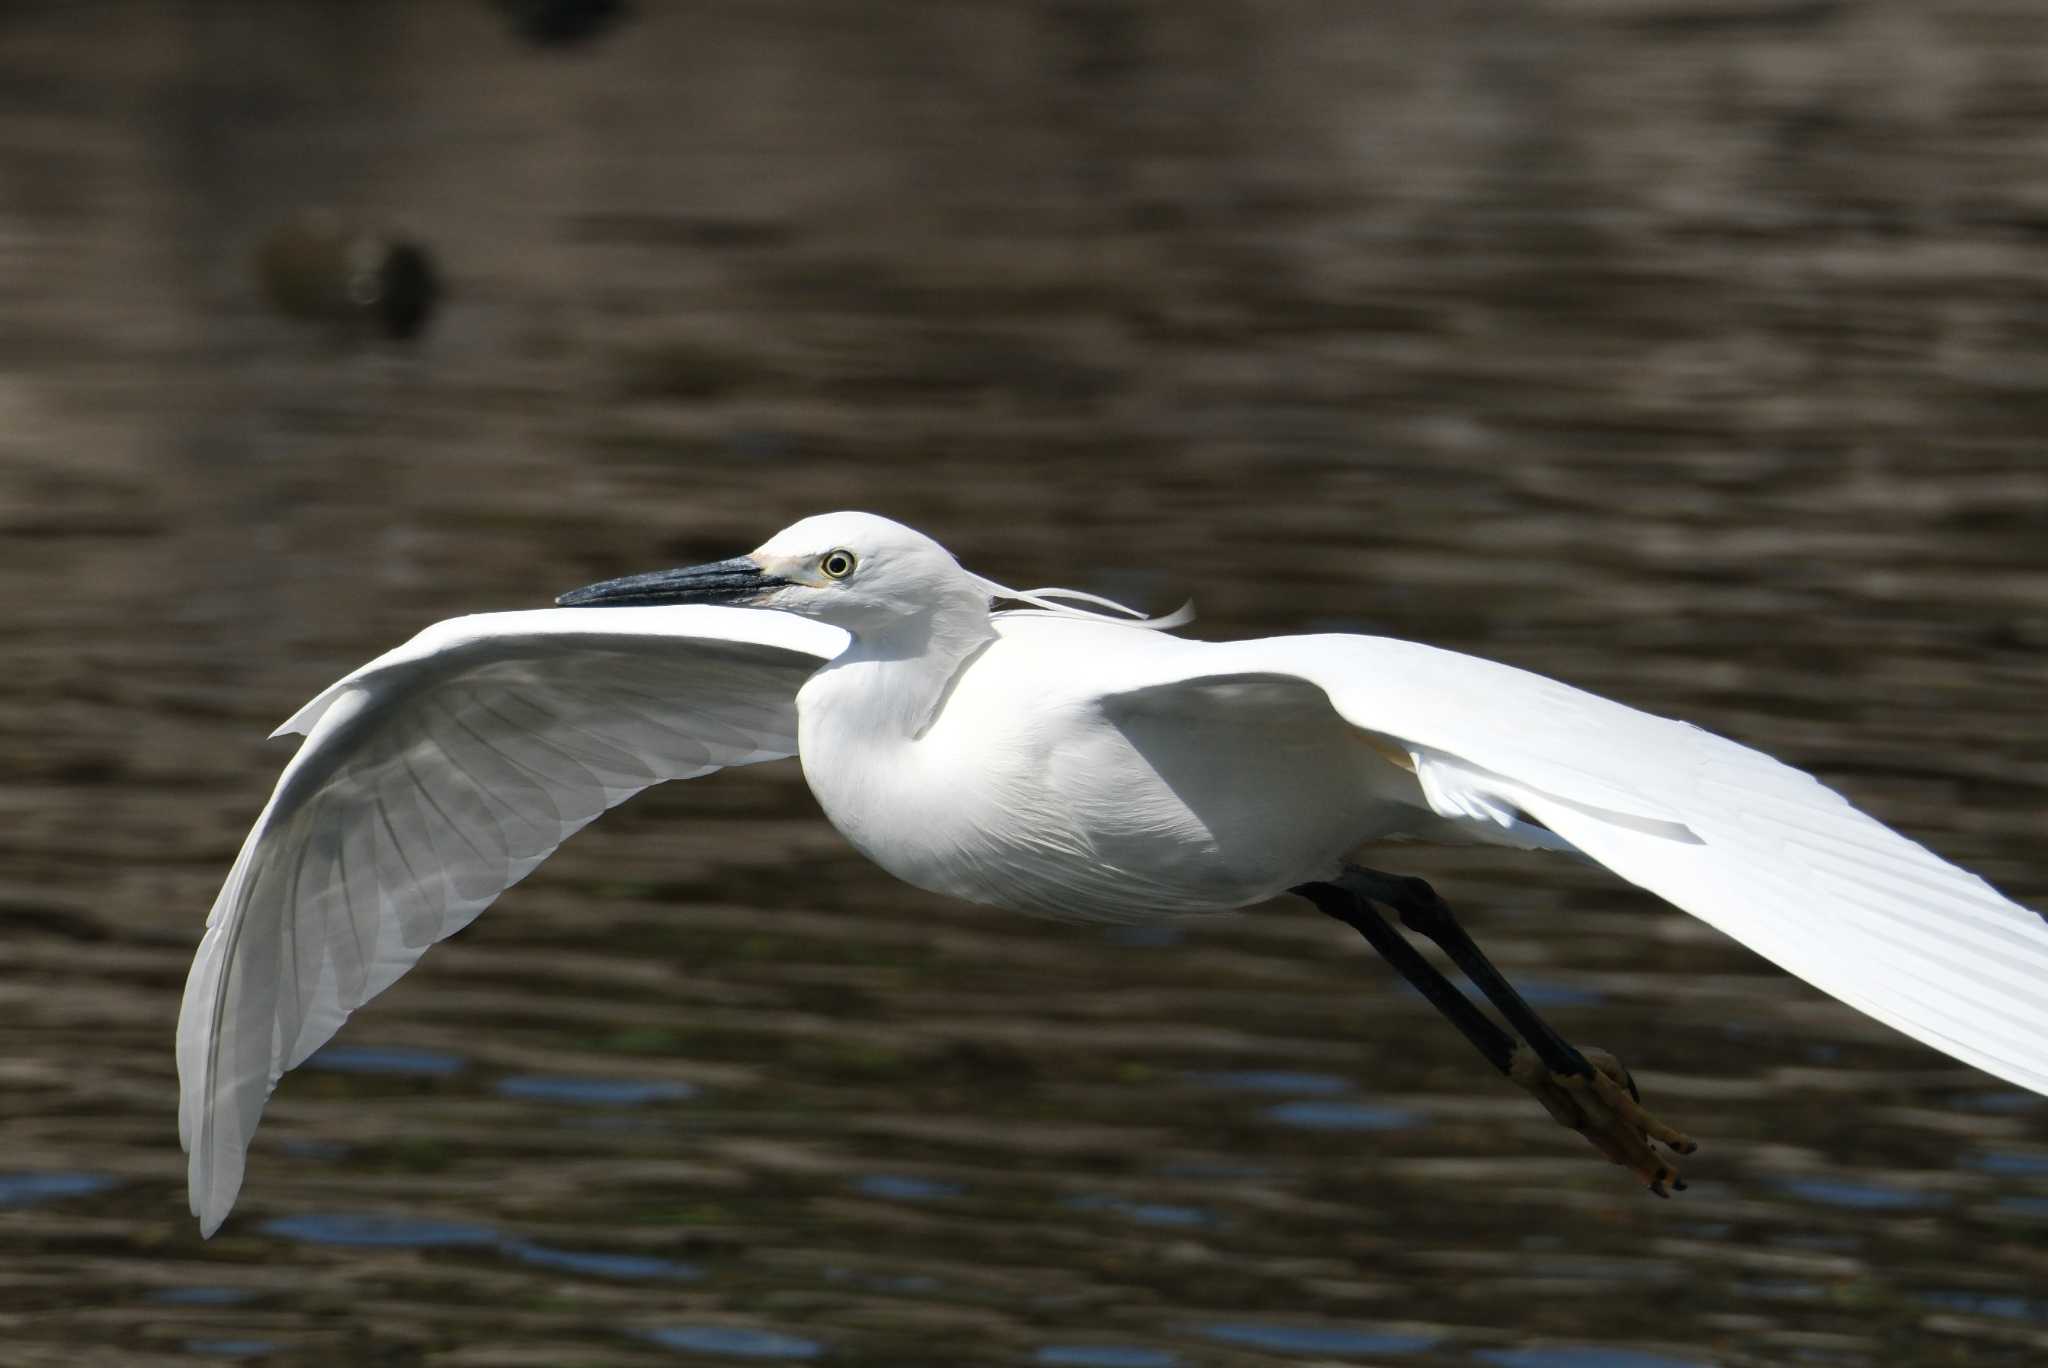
<point x="838" y="564"/>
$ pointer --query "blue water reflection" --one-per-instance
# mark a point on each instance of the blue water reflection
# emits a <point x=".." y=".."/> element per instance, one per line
<point x="378" y="1232"/>
<point x="1585" y="1356"/>
<point x="1104" y="1356"/>
<point x="1864" y="1196"/>
<point x="231" y="1348"/>
<point x="1274" y="1081"/>
<point x="2003" y="1102"/>
<point x="901" y="1188"/>
<point x="615" y="1122"/>
<point x="320" y="1151"/>
<point x="1314" y="1339"/>
<point x="1779" y="1289"/>
<point x="1144" y="1213"/>
<point x="2007" y="1164"/>
<point x="1154" y="937"/>
<point x="593" y="1092"/>
<point x="371" y="1231"/>
<point x="198" y="1296"/>
<point x="1310" y="1114"/>
<point x="734" y="1341"/>
<point x="1210" y="1171"/>
<point x="392" y="1060"/>
<point x="1542" y="994"/>
<point x="2023" y="1206"/>
<point x="601" y="1265"/>
<point x="2005" y="1306"/>
<point x="907" y="1284"/>
<point x="21" y="1189"/>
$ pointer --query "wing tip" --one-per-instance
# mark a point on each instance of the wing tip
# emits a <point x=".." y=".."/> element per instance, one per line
<point x="210" y="1191"/>
<point x="210" y="1216"/>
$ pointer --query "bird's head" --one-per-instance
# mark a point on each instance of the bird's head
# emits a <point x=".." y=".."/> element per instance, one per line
<point x="854" y="570"/>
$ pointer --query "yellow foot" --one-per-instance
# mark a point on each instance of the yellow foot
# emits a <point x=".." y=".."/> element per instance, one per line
<point x="1608" y="1111"/>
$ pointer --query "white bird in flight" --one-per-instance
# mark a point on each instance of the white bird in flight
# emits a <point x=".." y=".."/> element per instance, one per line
<point x="1064" y="757"/>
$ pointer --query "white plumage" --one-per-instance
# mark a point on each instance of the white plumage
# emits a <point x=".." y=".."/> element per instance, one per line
<point x="1051" y="760"/>
<point x="430" y="781"/>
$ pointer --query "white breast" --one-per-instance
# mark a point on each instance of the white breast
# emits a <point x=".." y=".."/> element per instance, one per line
<point x="1024" y="792"/>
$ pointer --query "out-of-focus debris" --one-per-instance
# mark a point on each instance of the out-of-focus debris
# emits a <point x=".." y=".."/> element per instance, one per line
<point x="558" y="23"/>
<point x="318" y="266"/>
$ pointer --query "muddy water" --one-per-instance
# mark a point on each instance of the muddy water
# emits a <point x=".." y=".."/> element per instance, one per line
<point x="1689" y="350"/>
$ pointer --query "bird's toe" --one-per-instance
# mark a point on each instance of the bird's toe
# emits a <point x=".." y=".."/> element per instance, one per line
<point x="1606" y="1107"/>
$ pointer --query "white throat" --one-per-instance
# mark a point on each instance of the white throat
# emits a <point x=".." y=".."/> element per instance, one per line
<point x="889" y="684"/>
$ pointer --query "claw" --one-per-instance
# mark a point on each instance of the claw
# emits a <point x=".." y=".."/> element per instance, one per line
<point x="1606" y="1107"/>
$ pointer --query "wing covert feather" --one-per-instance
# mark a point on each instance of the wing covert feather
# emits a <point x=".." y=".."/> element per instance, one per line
<point x="431" y="780"/>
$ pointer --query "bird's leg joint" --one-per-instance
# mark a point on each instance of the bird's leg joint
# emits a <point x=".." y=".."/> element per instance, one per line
<point x="1422" y="911"/>
<point x="1418" y="905"/>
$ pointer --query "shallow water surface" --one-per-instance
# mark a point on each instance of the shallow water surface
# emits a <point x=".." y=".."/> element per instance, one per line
<point x="1690" y="351"/>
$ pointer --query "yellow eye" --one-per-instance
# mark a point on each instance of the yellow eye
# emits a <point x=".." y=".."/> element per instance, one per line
<point x="837" y="564"/>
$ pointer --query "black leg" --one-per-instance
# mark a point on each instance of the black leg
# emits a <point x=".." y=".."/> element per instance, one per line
<point x="1336" y="900"/>
<point x="1600" y="1103"/>
<point x="1423" y="912"/>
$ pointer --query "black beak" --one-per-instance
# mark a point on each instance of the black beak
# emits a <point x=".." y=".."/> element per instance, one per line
<point x="738" y="581"/>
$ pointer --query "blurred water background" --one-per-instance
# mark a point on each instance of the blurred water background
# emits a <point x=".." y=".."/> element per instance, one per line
<point x="1690" y="350"/>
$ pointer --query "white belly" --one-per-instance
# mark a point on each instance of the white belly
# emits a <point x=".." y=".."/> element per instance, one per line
<point x="1024" y="794"/>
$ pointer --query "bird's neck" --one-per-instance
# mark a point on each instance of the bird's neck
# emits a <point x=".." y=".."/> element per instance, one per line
<point x="892" y="681"/>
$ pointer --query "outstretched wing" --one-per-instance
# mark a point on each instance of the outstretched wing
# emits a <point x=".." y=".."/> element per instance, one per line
<point x="431" y="780"/>
<point x="1754" y="847"/>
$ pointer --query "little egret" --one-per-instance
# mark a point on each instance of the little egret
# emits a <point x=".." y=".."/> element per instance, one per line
<point x="1063" y="756"/>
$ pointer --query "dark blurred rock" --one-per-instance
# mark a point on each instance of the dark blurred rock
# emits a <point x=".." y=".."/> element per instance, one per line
<point x="558" y="23"/>
<point x="319" y="267"/>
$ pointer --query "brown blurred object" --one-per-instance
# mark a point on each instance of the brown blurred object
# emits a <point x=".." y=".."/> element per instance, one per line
<point x="318" y="266"/>
<point x="559" y="23"/>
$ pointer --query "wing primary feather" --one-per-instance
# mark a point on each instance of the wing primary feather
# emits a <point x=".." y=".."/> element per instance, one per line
<point x="1762" y="851"/>
<point x="428" y="782"/>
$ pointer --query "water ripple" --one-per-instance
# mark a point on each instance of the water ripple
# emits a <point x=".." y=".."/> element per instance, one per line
<point x="1585" y="1356"/>
<point x="1314" y="1339"/>
<point x="901" y="1188"/>
<point x="1865" y="1196"/>
<point x="597" y="1264"/>
<point x="1144" y="1213"/>
<point x="2008" y="1164"/>
<point x="1104" y="1356"/>
<point x="2023" y="1206"/>
<point x="22" y="1189"/>
<point x="2005" y="1306"/>
<point x="198" y="1296"/>
<point x="733" y="1340"/>
<point x="230" y="1348"/>
<point x="593" y="1092"/>
<point x="1342" y="1116"/>
<point x="1274" y="1081"/>
<point x="392" y="1060"/>
<point x="380" y="1232"/>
